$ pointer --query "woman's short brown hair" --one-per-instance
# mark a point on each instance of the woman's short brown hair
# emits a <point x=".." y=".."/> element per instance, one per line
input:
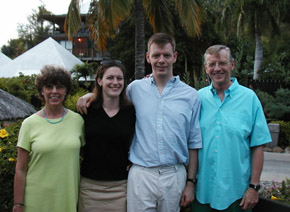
<point x="53" y="75"/>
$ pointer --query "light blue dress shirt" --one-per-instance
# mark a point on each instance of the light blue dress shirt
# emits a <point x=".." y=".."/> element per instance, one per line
<point x="229" y="129"/>
<point x="167" y="124"/>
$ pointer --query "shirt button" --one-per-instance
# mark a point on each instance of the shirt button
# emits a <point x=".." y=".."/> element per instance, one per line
<point x="217" y="136"/>
<point x="216" y="150"/>
<point x="218" y="122"/>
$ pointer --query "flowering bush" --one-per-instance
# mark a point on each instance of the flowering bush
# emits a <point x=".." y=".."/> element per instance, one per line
<point x="277" y="191"/>
<point x="8" y="154"/>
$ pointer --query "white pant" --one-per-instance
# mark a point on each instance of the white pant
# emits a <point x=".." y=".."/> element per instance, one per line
<point x="155" y="189"/>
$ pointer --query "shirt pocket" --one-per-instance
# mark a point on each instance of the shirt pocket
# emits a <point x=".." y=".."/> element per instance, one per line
<point x="238" y="124"/>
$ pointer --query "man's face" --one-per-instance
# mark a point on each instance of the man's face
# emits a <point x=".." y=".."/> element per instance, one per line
<point x="161" y="59"/>
<point x="219" y="68"/>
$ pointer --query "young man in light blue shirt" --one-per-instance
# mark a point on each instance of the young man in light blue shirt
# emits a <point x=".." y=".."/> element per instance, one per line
<point x="167" y="134"/>
<point x="234" y="129"/>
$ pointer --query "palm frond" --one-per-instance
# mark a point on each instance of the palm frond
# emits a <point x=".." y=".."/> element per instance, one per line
<point x="115" y="11"/>
<point x="159" y="15"/>
<point x="73" y="19"/>
<point x="105" y="17"/>
<point x="97" y="26"/>
<point x="189" y="13"/>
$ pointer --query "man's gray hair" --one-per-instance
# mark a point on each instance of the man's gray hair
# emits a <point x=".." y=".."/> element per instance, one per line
<point x="215" y="49"/>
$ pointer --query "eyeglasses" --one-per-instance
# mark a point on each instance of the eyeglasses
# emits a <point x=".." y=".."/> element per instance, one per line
<point x="110" y="61"/>
<point x="220" y="64"/>
<point x="57" y="87"/>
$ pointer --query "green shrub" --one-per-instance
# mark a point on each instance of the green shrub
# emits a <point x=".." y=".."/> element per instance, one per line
<point x="71" y="100"/>
<point x="8" y="155"/>
<point x="276" y="107"/>
<point x="284" y="135"/>
<point x="21" y="87"/>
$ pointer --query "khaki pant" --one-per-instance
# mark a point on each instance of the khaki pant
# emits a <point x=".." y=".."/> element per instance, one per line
<point x="102" y="196"/>
<point x="156" y="189"/>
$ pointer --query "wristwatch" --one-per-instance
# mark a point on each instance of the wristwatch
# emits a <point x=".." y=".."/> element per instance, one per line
<point x="256" y="187"/>
<point x="194" y="181"/>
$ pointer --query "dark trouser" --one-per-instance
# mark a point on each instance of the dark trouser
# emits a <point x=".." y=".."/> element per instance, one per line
<point x="235" y="207"/>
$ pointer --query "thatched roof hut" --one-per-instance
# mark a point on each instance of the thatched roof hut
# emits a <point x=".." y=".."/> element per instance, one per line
<point x="12" y="108"/>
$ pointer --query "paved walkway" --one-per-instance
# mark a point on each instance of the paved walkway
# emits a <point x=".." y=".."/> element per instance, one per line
<point x="276" y="167"/>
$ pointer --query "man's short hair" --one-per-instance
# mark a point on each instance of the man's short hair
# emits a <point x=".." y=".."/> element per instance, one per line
<point x="215" y="49"/>
<point x="161" y="39"/>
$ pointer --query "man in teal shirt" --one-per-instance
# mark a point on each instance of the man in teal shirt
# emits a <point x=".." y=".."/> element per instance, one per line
<point x="233" y="129"/>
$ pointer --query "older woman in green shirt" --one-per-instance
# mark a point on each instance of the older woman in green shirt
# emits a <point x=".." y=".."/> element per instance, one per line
<point x="47" y="169"/>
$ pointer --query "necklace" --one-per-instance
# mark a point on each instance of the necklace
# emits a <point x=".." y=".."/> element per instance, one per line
<point x="53" y="122"/>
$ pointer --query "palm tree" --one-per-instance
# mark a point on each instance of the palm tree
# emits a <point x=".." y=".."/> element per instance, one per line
<point x="106" y="15"/>
<point x="253" y="17"/>
<point x="86" y="70"/>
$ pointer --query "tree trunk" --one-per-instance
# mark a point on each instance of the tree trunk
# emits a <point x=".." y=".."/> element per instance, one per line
<point x="258" y="56"/>
<point x="139" y="40"/>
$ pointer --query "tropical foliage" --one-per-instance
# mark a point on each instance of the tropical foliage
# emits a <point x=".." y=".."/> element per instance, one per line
<point x="8" y="154"/>
<point x="22" y="87"/>
<point x="253" y="18"/>
<point x="106" y="16"/>
<point x="84" y="71"/>
<point x="71" y="100"/>
<point x="276" y="107"/>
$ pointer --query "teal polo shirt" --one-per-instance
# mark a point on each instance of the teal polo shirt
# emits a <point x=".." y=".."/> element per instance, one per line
<point x="229" y="129"/>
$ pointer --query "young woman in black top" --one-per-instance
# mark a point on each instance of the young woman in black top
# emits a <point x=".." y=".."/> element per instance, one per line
<point x="109" y="128"/>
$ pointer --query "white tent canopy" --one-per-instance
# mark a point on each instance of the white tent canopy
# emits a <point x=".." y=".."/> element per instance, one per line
<point x="48" y="52"/>
<point x="4" y="59"/>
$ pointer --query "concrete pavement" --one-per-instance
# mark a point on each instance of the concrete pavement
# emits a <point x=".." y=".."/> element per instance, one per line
<point x="276" y="167"/>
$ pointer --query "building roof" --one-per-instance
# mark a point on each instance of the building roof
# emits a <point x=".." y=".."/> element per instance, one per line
<point x="12" y="108"/>
<point x="48" y="52"/>
<point x="4" y="59"/>
<point x="60" y="19"/>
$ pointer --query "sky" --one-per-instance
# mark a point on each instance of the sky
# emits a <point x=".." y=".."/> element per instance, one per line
<point x="14" y="12"/>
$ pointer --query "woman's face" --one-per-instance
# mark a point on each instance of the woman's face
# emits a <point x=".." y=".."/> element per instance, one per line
<point x="54" y="94"/>
<point x="112" y="82"/>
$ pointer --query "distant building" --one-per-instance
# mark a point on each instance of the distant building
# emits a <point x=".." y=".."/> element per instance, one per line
<point x="81" y="46"/>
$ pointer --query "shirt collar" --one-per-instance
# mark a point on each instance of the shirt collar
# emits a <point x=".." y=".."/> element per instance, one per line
<point x="230" y="90"/>
<point x="172" y="80"/>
